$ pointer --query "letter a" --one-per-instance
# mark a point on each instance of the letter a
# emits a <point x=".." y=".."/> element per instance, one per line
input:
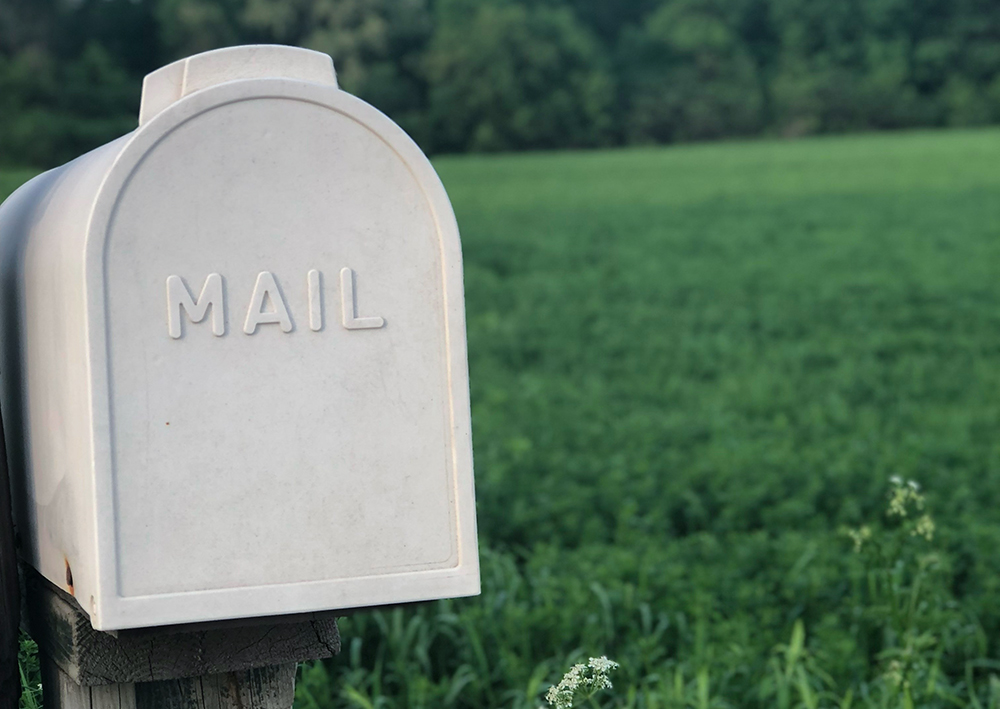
<point x="178" y="296"/>
<point x="266" y="288"/>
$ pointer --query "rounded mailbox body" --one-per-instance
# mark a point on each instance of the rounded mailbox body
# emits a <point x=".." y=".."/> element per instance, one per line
<point x="234" y="367"/>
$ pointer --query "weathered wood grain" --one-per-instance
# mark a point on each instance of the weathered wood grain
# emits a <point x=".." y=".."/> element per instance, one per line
<point x="259" y="688"/>
<point x="88" y="657"/>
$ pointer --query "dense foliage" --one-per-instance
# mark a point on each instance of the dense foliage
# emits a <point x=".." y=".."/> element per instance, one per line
<point x="693" y="371"/>
<point x="519" y="74"/>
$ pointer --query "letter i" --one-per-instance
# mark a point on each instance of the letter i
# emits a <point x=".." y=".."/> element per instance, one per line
<point x="315" y="301"/>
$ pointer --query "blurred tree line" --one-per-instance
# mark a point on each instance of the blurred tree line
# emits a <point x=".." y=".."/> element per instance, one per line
<point x="465" y="75"/>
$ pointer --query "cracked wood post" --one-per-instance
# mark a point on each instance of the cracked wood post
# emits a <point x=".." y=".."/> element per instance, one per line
<point x="271" y="687"/>
<point x="246" y="664"/>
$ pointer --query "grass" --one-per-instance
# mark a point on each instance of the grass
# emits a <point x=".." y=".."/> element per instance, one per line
<point x="691" y="368"/>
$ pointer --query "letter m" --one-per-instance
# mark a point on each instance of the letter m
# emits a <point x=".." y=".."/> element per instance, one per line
<point x="178" y="297"/>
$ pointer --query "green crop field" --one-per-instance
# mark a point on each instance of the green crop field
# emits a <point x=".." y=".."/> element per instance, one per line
<point x="693" y="369"/>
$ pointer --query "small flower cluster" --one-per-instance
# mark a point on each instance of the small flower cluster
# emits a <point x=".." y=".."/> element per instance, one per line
<point x="904" y="493"/>
<point x="860" y="536"/>
<point x="924" y="528"/>
<point x="589" y="678"/>
<point x="896" y="676"/>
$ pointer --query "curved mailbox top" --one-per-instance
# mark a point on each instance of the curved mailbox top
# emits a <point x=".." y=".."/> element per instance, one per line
<point x="240" y="383"/>
<point x="173" y="82"/>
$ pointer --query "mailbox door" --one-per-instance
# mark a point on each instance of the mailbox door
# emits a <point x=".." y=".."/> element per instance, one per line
<point x="280" y="391"/>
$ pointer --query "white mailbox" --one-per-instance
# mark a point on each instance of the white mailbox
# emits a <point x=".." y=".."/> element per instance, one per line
<point x="234" y="361"/>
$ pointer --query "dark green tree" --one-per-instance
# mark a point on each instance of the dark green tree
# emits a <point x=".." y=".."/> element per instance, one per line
<point x="689" y="75"/>
<point x="63" y="93"/>
<point x="505" y="76"/>
<point x="522" y="74"/>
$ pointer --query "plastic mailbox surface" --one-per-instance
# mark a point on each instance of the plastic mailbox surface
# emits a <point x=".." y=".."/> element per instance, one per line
<point x="234" y="366"/>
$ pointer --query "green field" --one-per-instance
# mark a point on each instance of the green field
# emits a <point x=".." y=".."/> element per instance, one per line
<point x="691" y="369"/>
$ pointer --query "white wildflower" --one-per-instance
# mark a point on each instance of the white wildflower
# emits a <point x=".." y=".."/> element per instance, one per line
<point x="590" y="678"/>
<point x="602" y="664"/>
<point x="561" y="695"/>
<point x="601" y="667"/>
<point x="860" y="536"/>
<point x="924" y="528"/>
<point x="903" y="495"/>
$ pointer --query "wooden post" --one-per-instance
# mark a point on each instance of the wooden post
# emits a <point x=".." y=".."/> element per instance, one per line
<point x="10" y="603"/>
<point x="248" y="664"/>
<point x="262" y="688"/>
